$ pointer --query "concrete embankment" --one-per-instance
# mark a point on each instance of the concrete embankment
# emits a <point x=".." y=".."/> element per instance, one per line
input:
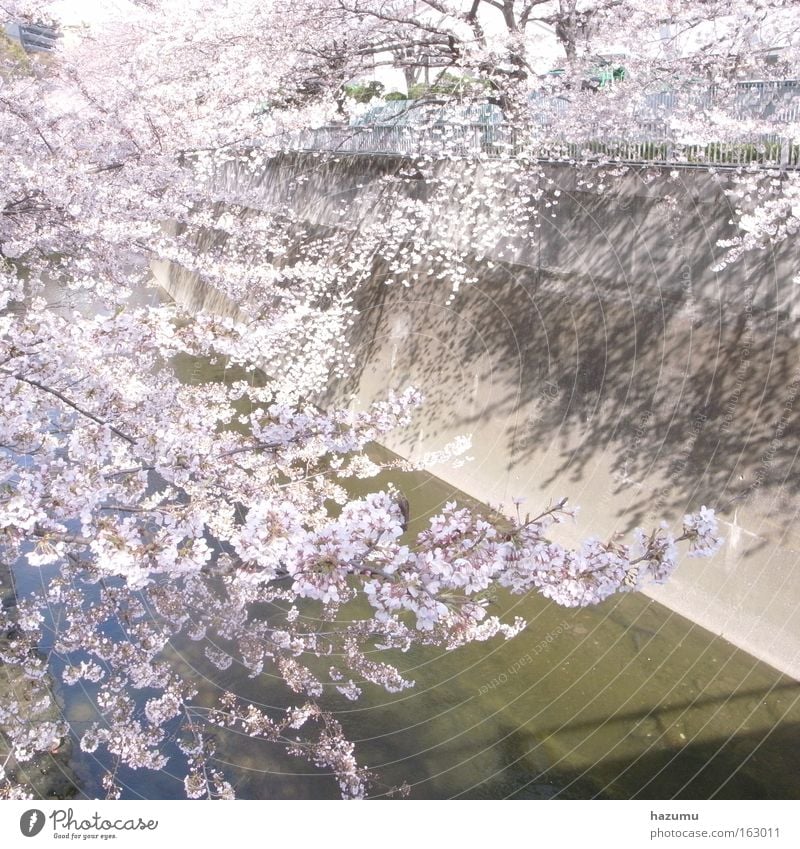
<point x="602" y="359"/>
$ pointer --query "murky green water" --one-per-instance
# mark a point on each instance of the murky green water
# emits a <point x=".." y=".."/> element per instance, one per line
<point x="627" y="700"/>
<point x="623" y="701"/>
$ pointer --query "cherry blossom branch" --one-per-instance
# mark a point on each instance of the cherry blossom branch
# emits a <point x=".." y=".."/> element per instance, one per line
<point x="63" y="398"/>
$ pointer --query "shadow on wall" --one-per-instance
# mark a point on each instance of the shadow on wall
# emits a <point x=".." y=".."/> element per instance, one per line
<point x="690" y="406"/>
<point x="607" y="339"/>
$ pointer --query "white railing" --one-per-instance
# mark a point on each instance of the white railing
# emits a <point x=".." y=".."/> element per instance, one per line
<point x="766" y="99"/>
<point x="458" y="130"/>
<point x="646" y="145"/>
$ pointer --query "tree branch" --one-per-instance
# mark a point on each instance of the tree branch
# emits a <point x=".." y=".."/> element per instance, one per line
<point x="63" y="398"/>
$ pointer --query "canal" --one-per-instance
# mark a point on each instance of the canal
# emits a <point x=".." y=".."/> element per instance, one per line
<point x="625" y="700"/>
<point x="630" y="699"/>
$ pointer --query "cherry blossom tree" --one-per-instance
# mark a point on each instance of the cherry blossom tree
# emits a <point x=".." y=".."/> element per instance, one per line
<point x="156" y="509"/>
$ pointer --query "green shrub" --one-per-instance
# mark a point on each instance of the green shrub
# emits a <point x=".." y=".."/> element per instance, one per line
<point x="364" y="92"/>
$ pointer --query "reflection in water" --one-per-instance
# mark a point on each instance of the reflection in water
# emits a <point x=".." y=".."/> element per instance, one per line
<point x="48" y="774"/>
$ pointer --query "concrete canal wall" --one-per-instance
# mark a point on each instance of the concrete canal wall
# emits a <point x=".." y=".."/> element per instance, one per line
<point x="602" y="359"/>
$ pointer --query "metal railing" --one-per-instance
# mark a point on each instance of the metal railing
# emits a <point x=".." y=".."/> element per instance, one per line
<point x="475" y="130"/>
<point x="765" y="99"/>
<point x="647" y="144"/>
